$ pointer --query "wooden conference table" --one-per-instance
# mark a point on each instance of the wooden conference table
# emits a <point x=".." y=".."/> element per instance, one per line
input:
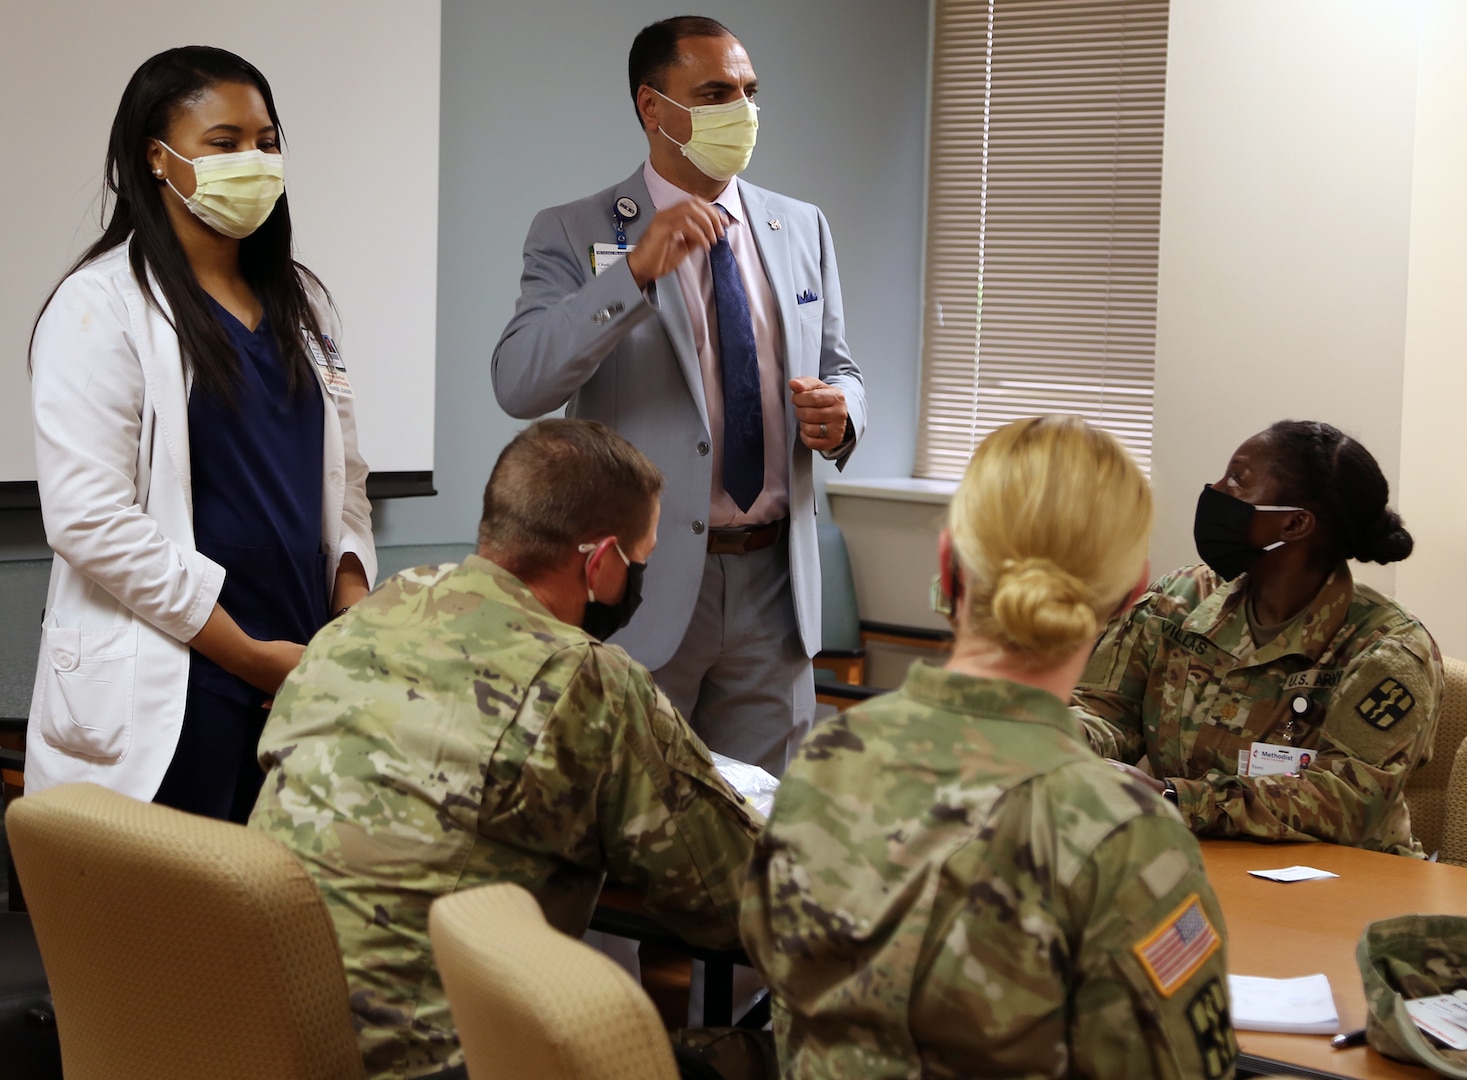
<point x="1282" y="930"/>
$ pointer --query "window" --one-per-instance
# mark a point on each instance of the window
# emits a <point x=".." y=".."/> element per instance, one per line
<point x="1043" y="207"/>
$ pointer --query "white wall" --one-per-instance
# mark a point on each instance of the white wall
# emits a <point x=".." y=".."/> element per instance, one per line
<point x="356" y="85"/>
<point x="1314" y="259"/>
<point x="1285" y="234"/>
<point x="1433" y="491"/>
<point x="1313" y="265"/>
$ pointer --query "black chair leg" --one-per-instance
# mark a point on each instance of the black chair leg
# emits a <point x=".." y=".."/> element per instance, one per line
<point x="28" y="1039"/>
<point x="717" y="993"/>
<point x="758" y="1015"/>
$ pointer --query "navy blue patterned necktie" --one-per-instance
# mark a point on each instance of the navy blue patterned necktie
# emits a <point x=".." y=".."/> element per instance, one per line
<point x="743" y="411"/>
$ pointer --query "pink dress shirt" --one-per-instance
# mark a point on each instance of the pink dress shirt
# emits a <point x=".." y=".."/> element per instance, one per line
<point x="695" y="281"/>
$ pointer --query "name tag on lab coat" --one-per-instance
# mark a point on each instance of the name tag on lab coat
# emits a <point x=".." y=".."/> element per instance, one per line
<point x="333" y="371"/>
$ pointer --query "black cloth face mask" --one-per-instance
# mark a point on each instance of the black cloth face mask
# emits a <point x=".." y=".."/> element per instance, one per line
<point x="1220" y="531"/>
<point x="602" y="620"/>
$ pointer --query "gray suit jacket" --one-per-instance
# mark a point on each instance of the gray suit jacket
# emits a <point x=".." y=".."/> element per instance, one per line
<point x="598" y="344"/>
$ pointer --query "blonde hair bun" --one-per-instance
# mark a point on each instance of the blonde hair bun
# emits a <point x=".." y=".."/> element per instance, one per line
<point x="1041" y="607"/>
<point x="1050" y="524"/>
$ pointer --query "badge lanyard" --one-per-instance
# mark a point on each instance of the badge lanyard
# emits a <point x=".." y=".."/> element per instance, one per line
<point x="604" y="256"/>
<point x="622" y="211"/>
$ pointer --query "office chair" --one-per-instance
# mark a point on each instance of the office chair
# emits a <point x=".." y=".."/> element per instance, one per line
<point x="1454" y="826"/>
<point x="1427" y="793"/>
<point x="178" y="946"/>
<point x="842" y="652"/>
<point x="531" y="1003"/>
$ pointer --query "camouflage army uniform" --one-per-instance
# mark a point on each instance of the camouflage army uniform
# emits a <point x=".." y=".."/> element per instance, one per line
<point x="449" y="732"/>
<point x="953" y="885"/>
<point x="1179" y="680"/>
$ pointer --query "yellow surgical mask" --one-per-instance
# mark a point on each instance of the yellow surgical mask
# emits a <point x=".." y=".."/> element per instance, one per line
<point x="723" y="136"/>
<point x="233" y="193"/>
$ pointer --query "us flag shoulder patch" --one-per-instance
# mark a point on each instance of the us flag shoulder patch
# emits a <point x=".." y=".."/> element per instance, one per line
<point x="1178" y="947"/>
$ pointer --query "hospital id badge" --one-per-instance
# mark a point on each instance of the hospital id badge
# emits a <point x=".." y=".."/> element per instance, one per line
<point x="1266" y="759"/>
<point x="333" y="371"/>
<point x="605" y="256"/>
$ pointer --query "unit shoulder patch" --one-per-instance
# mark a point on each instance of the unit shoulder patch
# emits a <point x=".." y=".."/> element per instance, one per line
<point x="1212" y="1027"/>
<point x="1388" y="703"/>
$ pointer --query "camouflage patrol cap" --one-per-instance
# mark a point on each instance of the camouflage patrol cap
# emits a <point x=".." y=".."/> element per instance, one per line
<point x="1409" y="957"/>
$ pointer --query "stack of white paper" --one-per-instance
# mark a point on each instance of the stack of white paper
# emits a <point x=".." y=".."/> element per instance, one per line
<point x="1305" y="1006"/>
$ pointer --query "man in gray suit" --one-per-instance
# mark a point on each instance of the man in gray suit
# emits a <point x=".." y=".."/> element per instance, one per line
<point x="701" y="317"/>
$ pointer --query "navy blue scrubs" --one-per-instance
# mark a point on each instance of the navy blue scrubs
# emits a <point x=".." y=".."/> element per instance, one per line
<point x="257" y="513"/>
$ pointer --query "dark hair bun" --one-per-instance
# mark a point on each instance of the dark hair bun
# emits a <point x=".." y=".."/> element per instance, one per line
<point x="1386" y="541"/>
<point x="1321" y="467"/>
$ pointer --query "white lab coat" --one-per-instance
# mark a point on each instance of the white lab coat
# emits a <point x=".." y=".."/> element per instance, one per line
<point x="128" y="588"/>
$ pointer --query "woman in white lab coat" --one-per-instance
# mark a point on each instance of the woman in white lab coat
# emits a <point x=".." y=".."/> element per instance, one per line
<point x="196" y="451"/>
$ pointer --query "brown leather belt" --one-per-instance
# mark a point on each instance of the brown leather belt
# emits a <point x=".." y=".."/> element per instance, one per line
<point x="743" y="541"/>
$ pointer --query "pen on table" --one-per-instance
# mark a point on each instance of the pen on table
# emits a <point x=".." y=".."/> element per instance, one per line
<point x="1346" y="1039"/>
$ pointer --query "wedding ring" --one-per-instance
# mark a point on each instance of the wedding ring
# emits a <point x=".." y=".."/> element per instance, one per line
<point x="822" y="431"/>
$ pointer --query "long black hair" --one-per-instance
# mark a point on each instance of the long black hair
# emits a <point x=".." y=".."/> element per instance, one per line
<point x="162" y="84"/>
<point x="1318" y="464"/>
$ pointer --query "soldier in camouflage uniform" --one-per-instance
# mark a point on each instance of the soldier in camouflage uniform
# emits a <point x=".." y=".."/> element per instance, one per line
<point x="459" y="727"/>
<point x="952" y="884"/>
<point x="1192" y="678"/>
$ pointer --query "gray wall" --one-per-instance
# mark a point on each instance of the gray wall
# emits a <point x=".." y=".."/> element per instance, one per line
<point x="535" y="111"/>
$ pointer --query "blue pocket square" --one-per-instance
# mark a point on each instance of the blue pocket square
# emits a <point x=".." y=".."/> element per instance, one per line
<point x="806" y="297"/>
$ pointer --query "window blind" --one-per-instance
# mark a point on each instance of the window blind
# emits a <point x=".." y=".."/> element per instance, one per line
<point x="1043" y="208"/>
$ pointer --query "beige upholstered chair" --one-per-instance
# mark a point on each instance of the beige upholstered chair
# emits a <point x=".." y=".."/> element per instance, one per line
<point x="531" y="1003"/>
<point x="1426" y="790"/>
<point x="1454" y="827"/>
<point x="178" y="947"/>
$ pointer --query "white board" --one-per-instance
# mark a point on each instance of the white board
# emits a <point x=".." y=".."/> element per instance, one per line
<point x="356" y="85"/>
